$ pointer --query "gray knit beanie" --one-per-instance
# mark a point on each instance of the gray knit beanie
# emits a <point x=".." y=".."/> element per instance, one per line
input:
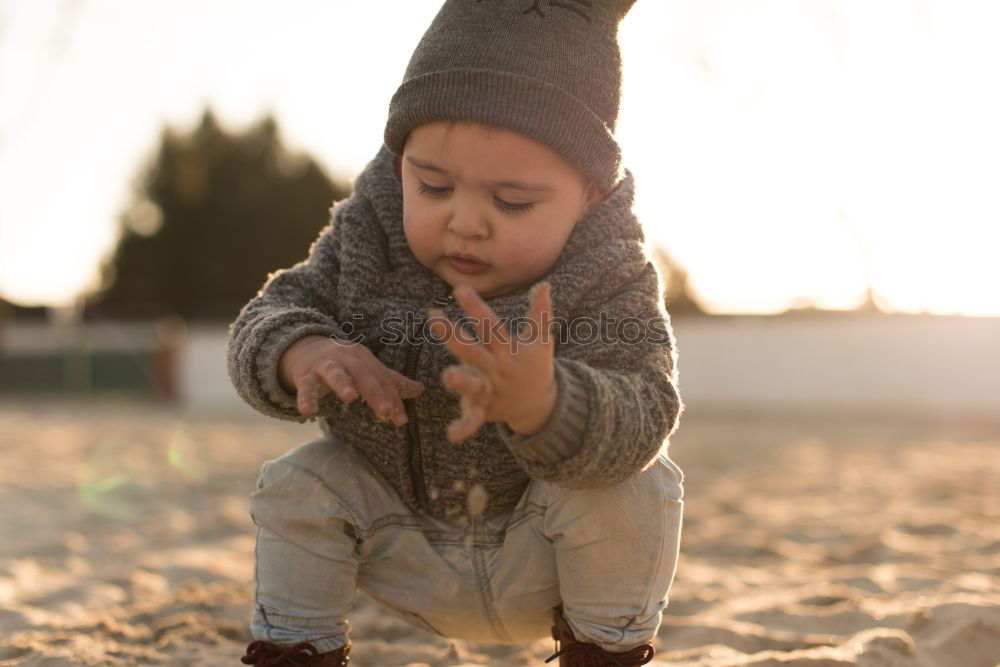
<point x="548" y="69"/>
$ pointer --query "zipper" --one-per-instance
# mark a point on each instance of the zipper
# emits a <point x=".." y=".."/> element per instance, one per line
<point x="414" y="454"/>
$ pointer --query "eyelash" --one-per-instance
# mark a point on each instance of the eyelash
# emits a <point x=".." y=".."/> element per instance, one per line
<point x="504" y="206"/>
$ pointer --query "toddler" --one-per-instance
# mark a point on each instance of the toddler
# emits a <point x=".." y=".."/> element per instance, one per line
<point x="483" y="339"/>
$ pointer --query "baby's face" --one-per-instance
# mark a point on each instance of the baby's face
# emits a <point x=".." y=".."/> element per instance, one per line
<point x="499" y="197"/>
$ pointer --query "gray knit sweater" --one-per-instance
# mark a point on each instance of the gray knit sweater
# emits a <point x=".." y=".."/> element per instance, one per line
<point x="617" y="403"/>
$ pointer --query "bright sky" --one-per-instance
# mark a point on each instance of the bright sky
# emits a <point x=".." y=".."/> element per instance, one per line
<point x="785" y="151"/>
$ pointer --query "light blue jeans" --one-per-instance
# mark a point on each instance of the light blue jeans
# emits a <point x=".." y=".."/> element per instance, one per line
<point x="328" y="524"/>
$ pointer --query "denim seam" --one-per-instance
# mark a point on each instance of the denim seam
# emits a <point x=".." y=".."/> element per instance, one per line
<point x="427" y="625"/>
<point x="525" y="515"/>
<point x="256" y="580"/>
<point x="405" y="613"/>
<point x="389" y="521"/>
<point x="463" y="543"/>
<point x="630" y="623"/>
<point x="486" y="588"/>
<point x="318" y="633"/>
<point x="659" y="559"/>
<point x="274" y="619"/>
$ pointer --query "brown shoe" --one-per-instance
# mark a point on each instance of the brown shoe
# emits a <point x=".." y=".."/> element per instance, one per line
<point x="303" y="654"/>
<point x="573" y="653"/>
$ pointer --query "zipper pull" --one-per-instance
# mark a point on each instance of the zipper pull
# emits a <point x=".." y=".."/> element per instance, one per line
<point x="444" y="300"/>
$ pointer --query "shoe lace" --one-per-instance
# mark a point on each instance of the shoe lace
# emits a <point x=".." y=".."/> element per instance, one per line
<point x="260" y="654"/>
<point x="591" y="655"/>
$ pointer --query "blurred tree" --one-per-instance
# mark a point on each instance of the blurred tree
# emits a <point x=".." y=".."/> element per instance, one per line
<point x="677" y="291"/>
<point x="212" y="215"/>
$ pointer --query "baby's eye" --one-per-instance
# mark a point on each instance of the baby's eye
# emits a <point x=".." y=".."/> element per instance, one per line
<point x="513" y="208"/>
<point x="505" y="206"/>
<point x="431" y="191"/>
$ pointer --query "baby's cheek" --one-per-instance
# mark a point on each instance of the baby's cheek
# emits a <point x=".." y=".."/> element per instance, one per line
<point x="416" y="235"/>
<point x="533" y="257"/>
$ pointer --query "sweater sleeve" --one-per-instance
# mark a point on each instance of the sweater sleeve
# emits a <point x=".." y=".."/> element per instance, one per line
<point x="617" y="399"/>
<point x="293" y="303"/>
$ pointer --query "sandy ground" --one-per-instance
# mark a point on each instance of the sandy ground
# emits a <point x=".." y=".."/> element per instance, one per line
<point x="125" y="539"/>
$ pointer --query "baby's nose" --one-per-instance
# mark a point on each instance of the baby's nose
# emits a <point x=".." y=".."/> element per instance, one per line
<point x="468" y="225"/>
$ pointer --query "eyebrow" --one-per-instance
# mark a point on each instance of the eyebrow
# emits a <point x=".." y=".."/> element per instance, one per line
<point x="518" y="185"/>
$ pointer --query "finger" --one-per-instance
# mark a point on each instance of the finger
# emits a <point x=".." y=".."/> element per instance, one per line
<point x="408" y="388"/>
<point x="458" y="378"/>
<point x="466" y="426"/>
<point x="492" y="333"/>
<point x="469" y="351"/>
<point x="397" y="411"/>
<point x="337" y="379"/>
<point x="307" y="394"/>
<point x="469" y="381"/>
<point x="539" y="327"/>
<point x="370" y="387"/>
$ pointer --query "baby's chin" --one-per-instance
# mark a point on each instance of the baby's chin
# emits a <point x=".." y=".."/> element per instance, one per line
<point x="485" y="285"/>
<point x="490" y="292"/>
<point x="488" y="284"/>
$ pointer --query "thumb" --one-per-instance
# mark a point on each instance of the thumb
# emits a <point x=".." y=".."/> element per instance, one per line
<point x="407" y="388"/>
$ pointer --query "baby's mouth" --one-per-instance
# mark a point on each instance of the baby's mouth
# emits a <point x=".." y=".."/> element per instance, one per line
<point x="466" y="264"/>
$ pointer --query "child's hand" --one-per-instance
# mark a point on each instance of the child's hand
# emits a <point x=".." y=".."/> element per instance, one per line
<point x="317" y="365"/>
<point x="502" y="378"/>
